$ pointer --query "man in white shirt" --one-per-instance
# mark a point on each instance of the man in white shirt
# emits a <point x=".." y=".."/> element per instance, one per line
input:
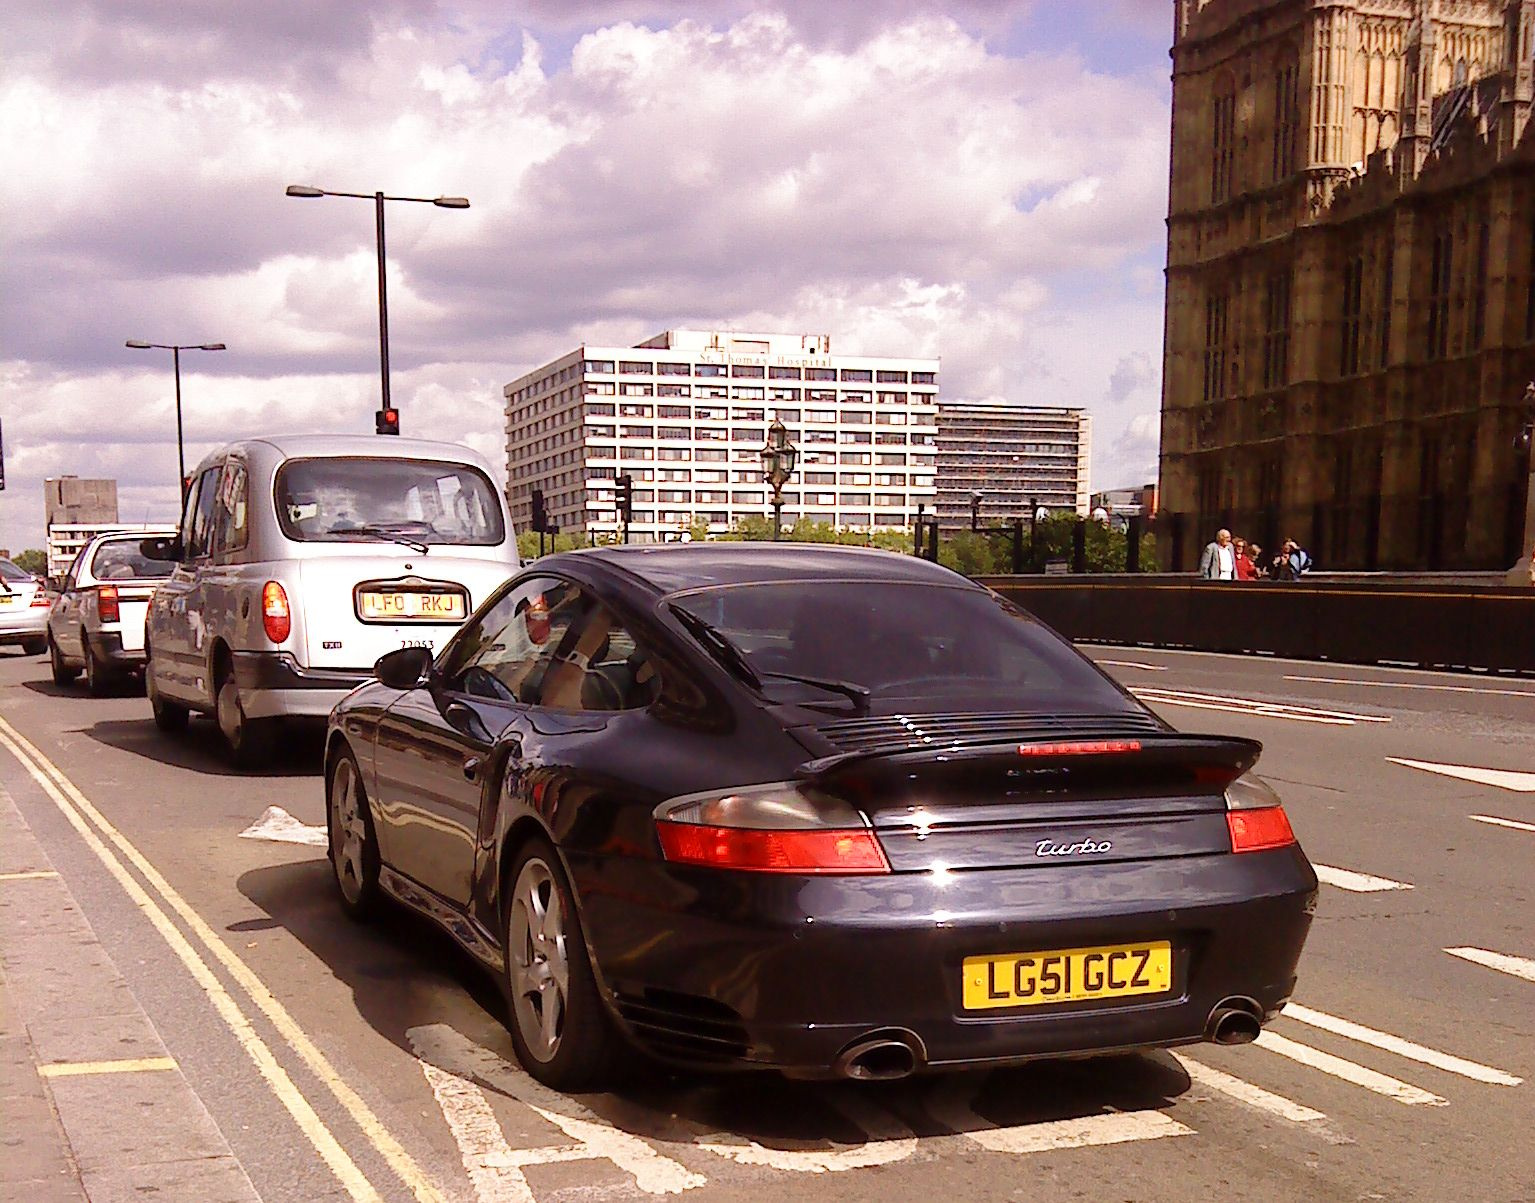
<point x="1219" y="561"/>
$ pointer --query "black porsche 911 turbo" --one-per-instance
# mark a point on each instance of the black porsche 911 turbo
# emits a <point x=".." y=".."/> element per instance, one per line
<point x="830" y="811"/>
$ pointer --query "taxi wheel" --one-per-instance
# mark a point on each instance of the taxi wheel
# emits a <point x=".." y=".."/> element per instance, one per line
<point x="33" y="647"/>
<point x="169" y="716"/>
<point x="561" y="1032"/>
<point x="99" y="678"/>
<point x="247" y="741"/>
<point x="354" y="858"/>
<point x="62" y="673"/>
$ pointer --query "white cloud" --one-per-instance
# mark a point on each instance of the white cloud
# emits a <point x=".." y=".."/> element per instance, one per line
<point x="897" y="183"/>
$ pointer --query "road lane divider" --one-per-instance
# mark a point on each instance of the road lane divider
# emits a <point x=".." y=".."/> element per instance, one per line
<point x="1501" y="961"/>
<point x="1151" y="668"/>
<point x="1510" y="693"/>
<point x="1401" y="1047"/>
<point x="1509" y="779"/>
<point x="1258" y="1098"/>
<point x="951" y="1107"/>
<point x="1157" y="696"/>
<point x="1513" y="824"/>
<point x="1356" y="883"/>
<point x="83" y="816"/>
<point x="1347" y="1071"/>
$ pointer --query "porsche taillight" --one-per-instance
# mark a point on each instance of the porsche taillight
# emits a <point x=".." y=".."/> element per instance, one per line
<point x="782" y="828"/>
<point x="106" y="604"/>
<point x="1254" y="816"/>
<point x="276" y="620"/>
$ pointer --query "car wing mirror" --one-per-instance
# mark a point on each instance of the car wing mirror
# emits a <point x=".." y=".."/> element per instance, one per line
<point x="404" y="669"/>
<point x="56" y="583"/>
<point x="165" y="550"/>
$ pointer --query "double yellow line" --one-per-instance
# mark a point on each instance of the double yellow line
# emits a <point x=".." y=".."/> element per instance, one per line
<point x="156" y="897"/>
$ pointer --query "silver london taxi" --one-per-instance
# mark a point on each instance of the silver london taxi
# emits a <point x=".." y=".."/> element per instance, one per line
<point x="301" y="560"/>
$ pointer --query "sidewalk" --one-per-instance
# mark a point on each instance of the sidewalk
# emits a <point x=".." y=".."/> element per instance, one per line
<point x="94" y="1107"/>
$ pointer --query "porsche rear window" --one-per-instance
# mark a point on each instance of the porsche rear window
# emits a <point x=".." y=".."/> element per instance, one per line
<point x="900" y="639"/>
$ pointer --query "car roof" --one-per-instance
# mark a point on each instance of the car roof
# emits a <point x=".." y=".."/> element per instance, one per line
<point x="391" y="446"/>
<point x="671" y="567"/>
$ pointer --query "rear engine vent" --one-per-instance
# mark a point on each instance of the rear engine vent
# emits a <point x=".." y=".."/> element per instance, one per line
<point x="899" y="733"/>
<point x="685" y="1026"/>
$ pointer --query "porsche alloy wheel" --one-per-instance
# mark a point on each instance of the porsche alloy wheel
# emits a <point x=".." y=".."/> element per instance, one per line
<point x="562" y="1035"/>
<point x="353" y="847"/>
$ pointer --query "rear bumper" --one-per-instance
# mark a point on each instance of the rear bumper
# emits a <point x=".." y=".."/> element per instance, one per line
<point x="24" y="625"/>
<point x="275" y="685"/>
<point x="758" y="970"/>
<point x="109" y="646"/>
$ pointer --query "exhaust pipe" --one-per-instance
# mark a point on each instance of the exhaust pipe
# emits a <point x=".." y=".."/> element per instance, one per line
<point x="1233" y="1021"/>
<point x="880" y="1057"/>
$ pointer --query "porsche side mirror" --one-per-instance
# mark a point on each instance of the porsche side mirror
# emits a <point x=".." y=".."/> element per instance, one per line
<point x="404" y="669"/>
<point x="164" y="550"/>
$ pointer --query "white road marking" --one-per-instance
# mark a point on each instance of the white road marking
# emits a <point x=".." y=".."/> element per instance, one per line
<point x="1497" y="822"/>
<point x="1402" y="1048"/>
<point x="1501" y="961"/>
<point x="1380" y="1083"/>
<point x="1522" y="783"/>
<point x="1356" y="883"/>
<point x="1212" y="701"/>
<point x="1511" y="693"/>
<point x="277" y="825"/>
<point x="950" y="1107"/>
<point x="445" y="1048"/>
<point x="889" y="1141"/>
<point x="1256" y="1097"/>
<point x="488" y="1159"/>
<point x="1151" y="668"/>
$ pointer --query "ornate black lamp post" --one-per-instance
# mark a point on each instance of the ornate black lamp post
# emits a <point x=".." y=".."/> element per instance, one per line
<point x="1523" y="572"/>
<point x="779" y="457"/>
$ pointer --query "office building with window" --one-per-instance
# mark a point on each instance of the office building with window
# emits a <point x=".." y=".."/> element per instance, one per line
<point x="1350" y="279"/>
<point x="1017" y="457"/>
<point x="685" y="415"/>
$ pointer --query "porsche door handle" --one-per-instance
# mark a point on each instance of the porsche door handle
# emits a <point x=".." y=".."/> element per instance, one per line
<point x="472" y="768"/>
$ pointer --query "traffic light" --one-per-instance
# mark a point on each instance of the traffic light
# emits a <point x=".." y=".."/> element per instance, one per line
<point x="540" y="513"/>
<point x="387" y="421"/>
<point x="625" y="486"/>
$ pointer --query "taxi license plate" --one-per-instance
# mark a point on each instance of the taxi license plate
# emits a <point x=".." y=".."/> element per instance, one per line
<point x="1063" y="975"/>
<point x="410" y="606"/>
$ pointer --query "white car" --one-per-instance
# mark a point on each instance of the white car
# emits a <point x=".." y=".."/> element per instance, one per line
<point x="97" y="623"/>
<point x="23" y="609"/>
<point x="303" y="559"/>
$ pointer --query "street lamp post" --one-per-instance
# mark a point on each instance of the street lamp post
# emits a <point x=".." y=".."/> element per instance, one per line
<point x="778" y="459"/>
<point x="378" y="199"/>
<point x="176" y="349"/>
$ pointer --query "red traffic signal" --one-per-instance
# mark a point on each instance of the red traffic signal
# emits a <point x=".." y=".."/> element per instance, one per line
<point x="387" y="421"/>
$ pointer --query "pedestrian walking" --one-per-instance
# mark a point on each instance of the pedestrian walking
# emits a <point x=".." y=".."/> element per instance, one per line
<point x="1218" y="562"/>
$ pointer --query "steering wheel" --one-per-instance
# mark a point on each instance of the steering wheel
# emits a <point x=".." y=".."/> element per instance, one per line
<point x="485" y="684"/>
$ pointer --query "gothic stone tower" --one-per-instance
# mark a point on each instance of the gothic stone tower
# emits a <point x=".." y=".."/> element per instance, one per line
<point x="1350" y="277"/>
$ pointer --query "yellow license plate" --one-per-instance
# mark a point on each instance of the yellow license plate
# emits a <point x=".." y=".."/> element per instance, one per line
<point x="6" y="599"/>
<point x="410" y="606"/>
<point x="1063" y="975"/>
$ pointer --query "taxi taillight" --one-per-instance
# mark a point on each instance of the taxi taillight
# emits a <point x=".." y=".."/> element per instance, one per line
<point x="106" y="603"/>
<point x="276" y="619"/>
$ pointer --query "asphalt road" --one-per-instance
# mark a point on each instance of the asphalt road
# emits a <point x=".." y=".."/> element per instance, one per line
<point x="341" y="1061"/>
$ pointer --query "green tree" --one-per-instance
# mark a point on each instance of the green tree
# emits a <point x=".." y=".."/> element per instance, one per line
<point x="32" y="560"/>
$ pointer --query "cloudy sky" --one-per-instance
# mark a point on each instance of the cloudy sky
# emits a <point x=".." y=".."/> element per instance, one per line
<point x="979" y="179"/>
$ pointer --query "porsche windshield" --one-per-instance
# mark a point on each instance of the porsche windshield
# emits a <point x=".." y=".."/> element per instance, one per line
<point x="335" y="500"/>
<point x="898" y="640"/>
